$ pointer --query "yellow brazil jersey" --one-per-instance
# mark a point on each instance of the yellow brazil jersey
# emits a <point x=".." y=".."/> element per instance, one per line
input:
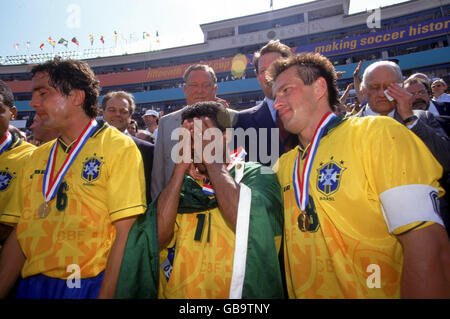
<point x="203" y="263"/>
<point x="12" y="161"/>
<point x="347" y="250"/>
<point x="105" y="183"/>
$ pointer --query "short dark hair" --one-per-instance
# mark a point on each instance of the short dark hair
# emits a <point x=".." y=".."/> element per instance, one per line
<point x="68" y="75"/>
<point x="310" y="66"/>
<point x="133" y="121"/>
<point x="214" y="110"/>
<point x="121" y="95"/>
<point x="200" y="67"/>
<point x="6" y="93"/>
<point x="272" y="46"/>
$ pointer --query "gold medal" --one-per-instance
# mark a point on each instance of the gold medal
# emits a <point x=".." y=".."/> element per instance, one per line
<point x="303" y="222"/>
<point x="43" y="210"/>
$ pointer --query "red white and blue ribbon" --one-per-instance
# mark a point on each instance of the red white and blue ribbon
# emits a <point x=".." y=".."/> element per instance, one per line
<point x="5" y="142"/>
<point x="208" y="189"/>
<point x="50" y="185"/>
<point x="237" y="156"/>
<point x="301" y="185"/>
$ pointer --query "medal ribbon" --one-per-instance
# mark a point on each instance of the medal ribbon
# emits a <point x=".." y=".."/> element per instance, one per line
<point x="236" y="156"/>
<point x="301" y="185"/>
<point x="50" y="185"/>
<point x="5" y="142"/>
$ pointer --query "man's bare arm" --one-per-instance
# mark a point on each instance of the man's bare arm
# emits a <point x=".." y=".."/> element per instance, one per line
<point x="426" y="264"/>
<point x="167" y="206"/>
<point x="12" y="260"/>
<point x="226" y="190"/>
<point x="108" y="287"/>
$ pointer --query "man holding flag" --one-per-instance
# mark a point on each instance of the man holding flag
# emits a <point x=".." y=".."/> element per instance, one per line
<point x="76" y="213"/>
<point x="219" y="222"/>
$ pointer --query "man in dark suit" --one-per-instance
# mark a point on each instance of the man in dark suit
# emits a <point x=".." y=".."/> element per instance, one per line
<point x="262" y="118"/>
<point x="118" y="107"/>
<point x="442" y="107"/>
<point x="422" y="101"/>
<point x="441" y="111"/>
<point x="419" y="88"/>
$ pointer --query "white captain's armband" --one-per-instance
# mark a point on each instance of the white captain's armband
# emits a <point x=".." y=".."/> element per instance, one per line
<point x="407" y="204"/>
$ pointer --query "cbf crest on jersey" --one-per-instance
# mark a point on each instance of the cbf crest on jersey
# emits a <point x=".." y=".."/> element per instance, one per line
<point x="5" y="180"/>
<point x="329" y="177"/>
<point x="91" y="169"/>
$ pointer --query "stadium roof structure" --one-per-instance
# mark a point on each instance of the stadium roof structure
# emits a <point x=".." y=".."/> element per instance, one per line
<point x="295" y="21"/>
<point x="416" y="33"/>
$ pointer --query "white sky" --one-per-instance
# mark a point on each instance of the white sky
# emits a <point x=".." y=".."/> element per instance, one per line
<point x="177" y="21"/>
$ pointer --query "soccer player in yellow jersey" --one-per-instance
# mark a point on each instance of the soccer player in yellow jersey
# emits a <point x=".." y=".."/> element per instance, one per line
<point x="222" y="243"/>
<point x="360" y="197"/>
<point x="13" y="156"/>
<point x="80" y="194"/>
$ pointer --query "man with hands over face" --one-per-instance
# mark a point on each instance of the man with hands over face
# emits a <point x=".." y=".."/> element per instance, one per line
<point x="218" y="221"/>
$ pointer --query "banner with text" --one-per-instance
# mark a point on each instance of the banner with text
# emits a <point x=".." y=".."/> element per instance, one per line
<point x="373" y="40"/>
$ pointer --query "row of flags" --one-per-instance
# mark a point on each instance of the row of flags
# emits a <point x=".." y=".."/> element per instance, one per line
<point x="52" y="42"/>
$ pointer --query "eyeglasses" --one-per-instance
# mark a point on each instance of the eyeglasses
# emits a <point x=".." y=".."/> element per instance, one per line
<point x="203" y="86"/>
<point x="121" y="111"/>
<point x="436" y="85"/>
<point x="421" y="92"/>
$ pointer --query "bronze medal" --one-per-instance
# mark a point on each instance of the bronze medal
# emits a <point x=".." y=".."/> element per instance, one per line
<point x="43" y="210"/>
<point x="303" y="222"/>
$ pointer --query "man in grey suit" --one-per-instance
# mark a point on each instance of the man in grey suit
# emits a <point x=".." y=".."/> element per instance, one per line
<point x="200" y="85"/>
<point x="384" y="76"/>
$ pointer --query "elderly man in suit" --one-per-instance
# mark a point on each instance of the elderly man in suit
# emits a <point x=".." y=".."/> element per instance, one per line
<point x="200" y="85"/>
<point x="384" y="76"/>
<point x="263" y="116"/>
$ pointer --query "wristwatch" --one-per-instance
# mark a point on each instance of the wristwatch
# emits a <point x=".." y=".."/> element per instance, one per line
<point x="410" y="119"/>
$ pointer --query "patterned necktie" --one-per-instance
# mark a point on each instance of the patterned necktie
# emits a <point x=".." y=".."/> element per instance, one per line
<point x="288" y="140"/>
